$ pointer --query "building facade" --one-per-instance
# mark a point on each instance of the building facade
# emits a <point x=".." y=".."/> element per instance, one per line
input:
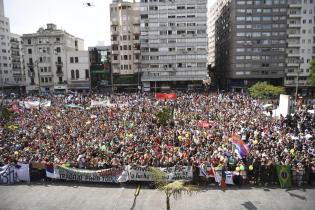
<point x="251" y="43"/>
<point x="100" y="67"/>
<point x="45" y="55"/>
<point x="213" y="14"/>
<point x="173" y="43"/>
<point x="9" y="67"/>
<point x="301" y="45"/>
<point x="17" y="60"/>
<point x="125" y="45"/>
<point x="78" y="71"/>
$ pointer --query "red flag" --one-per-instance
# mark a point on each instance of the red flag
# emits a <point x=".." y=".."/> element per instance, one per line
<point x="203" y="124"/>
<point x="165" y="96"/>
<point x="223" y="185"/>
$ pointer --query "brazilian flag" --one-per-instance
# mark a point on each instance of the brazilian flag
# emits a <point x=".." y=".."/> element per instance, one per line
<point x="284" y="174"/>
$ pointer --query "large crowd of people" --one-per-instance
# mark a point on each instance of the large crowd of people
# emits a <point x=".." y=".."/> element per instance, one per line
<point x="127" y="131"/>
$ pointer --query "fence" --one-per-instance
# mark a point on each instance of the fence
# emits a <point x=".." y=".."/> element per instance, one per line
<point x="262" y="175"/>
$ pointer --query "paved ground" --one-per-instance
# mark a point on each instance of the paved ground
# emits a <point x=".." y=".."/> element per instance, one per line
<point x="71" y="196"/>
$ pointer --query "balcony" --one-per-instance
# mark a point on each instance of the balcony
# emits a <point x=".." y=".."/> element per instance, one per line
<point x="295" y="3"/>
<point x="293" y="44"/>
<point x="294" y="35"/>
<point x="59" y="63"/>
<point x="59" y="73"/>
<point x="294" y="25"/>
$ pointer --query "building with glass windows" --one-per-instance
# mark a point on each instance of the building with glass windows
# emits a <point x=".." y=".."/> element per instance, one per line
<point x="173" y="43"/>
<point x="251" y="43"/>
<point x="100" y="70"/>
<point x="301" y="45"/>
<point x="125" y="44"/>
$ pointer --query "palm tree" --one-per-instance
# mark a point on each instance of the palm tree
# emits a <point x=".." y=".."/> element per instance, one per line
<point x="175" y="189"/>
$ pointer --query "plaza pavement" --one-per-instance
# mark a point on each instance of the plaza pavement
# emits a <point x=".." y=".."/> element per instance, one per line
<point x="55" y="196"/>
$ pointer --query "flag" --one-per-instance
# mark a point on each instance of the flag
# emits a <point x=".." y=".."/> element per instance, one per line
<point x="203" y="124"/>
<point x="50" y="171"/>
<point x="284" y="175"/>
<point x="240" y="146"/>
<point x="165" y="96"/>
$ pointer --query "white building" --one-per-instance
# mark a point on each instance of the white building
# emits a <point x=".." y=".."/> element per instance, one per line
<point x="125" y="32"/>
<point x="17" y="60"/>
<point x="6" y="74"/>
<point x="173" y="43"/>
<point x="213" y="14"/>
<point x="301" y="43"/>
<point x="45" y="55"/>
<point x="78" y="72"/>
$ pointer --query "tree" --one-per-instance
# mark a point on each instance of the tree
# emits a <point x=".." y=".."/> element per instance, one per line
<point x="164" y="116"/>
<point x="312" y="76"/>
<point x="263" y="90"/>
<point x="175" y="189"/>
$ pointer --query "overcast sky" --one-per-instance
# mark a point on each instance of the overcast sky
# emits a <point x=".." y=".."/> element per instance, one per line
<point x="89" y="23"/>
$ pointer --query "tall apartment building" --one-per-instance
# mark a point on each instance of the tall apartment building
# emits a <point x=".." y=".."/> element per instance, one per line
<point x="100" y="67"/>
<point x="125" y="45"/>
<point x="213" y="14"/>
<point x="301" y="44"/>
<point x="251" y="42"/>
<point x="173" y="43"/>
<point x="45" y="55"/>
<point x="7" y="75"/>
<point x="17" y="60"/>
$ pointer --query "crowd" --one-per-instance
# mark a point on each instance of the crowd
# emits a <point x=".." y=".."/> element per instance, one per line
<point x="128" y="132"/>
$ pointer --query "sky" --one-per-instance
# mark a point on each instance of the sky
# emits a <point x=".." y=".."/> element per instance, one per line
<point x="92" y="24"/>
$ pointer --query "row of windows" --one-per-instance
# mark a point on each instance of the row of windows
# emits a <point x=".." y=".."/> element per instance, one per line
<point x="267" y="10"/>
<point x="170" y="40"/>
<point x="261" y="2"/>
<point x="178" y="65"/>
<point x="124" y="37"/>
<point x="253" y="57"/>
<point x="74" y="60"/>
<point x="76" y="74"/>
<point x="173" y="24"/>
<point x="259" y="34"/>
<point x="173" y="16"/>
<point x="46" y="79"/>
<point x="260" y="26"/>
<point x="174" y="57"/>
<point x="251" y="65"/>
<point x="260" y="18"/>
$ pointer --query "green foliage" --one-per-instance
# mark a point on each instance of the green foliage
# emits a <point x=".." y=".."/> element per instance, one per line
<point x="175" y="189"/>
<point x="164" y="116"/>
<point x="312" y="75"/>
<point x="263" y="90"/>
<point x="6" y="114"/>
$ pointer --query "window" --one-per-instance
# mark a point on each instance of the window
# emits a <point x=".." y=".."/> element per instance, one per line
<point x="72" y="74"/>
<point x="76" y="59"/>
<point x="77" y="74"/>
<point x="29" y="41"/>
<point x="29" y="51"/>
<point x="71" y="60"/>
<point x="87" y="75"/>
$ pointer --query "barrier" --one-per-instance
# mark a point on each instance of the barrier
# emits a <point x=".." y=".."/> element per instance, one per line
<point x="10" y="174"/>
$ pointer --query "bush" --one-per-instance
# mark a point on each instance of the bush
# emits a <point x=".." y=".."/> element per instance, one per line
<point x="262" y="90"/>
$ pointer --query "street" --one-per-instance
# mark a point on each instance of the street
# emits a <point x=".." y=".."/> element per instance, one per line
<point x="83" y="196"/>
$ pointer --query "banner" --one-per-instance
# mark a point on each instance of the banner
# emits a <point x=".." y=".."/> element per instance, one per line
<point x="139" y="173"/>
<point x="284" y="175"/>
<point x="100" y="103"/>
<point x="34" y="104"/>
<point x="165" y="96"/>
<point x="10" y="174"/>
<point x="113" y="175"/>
